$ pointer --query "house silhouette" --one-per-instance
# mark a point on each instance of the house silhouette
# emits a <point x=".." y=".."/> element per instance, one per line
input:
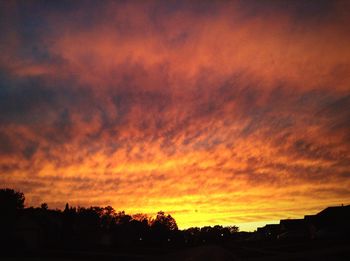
<point x="332" y="222"/>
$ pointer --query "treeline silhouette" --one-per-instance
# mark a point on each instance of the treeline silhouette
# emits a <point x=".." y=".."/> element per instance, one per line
<point x="94" y="228"/>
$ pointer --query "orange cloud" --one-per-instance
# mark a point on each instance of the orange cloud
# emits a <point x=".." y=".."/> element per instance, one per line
<point x="218" y="114"/>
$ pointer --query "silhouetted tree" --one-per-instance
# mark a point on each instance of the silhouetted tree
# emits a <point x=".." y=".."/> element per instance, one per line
<point x="163" y="228"/>
<point x="11" y="203"/>
<point x="141" y="217"/>
<point x="107" y="215"/>
<point x="121" y="218"/>
<point x="233" y="229"/>
<point x="44" y="206"/>
<point x="81" y="227"/>
<point x="69" y="225"/>
<point x="11" y="200"/>
<point x="167" y="221"/>
<point x="191" y="236"/>
<point x="66" y="208"/>
<point x="87" y="225"/>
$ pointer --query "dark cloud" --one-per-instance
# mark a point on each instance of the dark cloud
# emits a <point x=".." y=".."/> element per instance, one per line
<point x="30" y="149"/>
<point x="301" y="11"/>
<point x="6" y="145"/>
<point x="9" y="168"/>
<point x="20" y="99"/>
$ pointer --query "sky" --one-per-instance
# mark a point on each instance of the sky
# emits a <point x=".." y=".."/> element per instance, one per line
<point x="217" y="112"/>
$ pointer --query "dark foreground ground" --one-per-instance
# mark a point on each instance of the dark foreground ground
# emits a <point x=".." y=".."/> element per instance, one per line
<point x="260" y="251"/>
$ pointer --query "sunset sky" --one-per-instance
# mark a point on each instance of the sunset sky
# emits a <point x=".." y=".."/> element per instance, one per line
<point x="217" y="112"/>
